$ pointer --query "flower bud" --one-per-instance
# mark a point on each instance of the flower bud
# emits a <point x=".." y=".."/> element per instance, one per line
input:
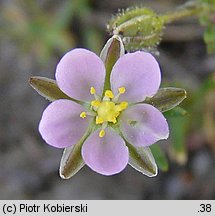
<point x="139" y="28"/>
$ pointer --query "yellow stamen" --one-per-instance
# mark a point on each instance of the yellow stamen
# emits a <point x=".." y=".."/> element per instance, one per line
<point x="109" y="93"/>
<point x="95" y="103"/>
<point x="106" y="109"/>
<point x="113" y="119"/>
<point x="117" y="113"/>
<point x="101" y="133"/>
<point x="122" y="90"/>
<point x="83" y="115"/>
<point x="123" y="105"/>
<point x="92" y="90"/>
<point x="99" y="120"/>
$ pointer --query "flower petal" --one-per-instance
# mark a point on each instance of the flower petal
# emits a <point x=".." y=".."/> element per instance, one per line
<point x="79" y="70"/>
<point x="61" y="125"/>
<point x="143" y="125"/>
<point x="107" y="155"/>
<point x="139" y="73"/>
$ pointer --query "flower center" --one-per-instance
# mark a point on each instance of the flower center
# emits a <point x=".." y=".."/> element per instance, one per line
<point x="107" y="109"/>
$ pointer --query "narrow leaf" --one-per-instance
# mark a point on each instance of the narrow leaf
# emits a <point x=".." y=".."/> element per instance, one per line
<point x="71" y="161"/>
<point x="179" y="126"/>
<point x="167" y="98"/>
<point x="142" y="160"/>
<point x="47" y="88"/>
<point x="160" y="157"/>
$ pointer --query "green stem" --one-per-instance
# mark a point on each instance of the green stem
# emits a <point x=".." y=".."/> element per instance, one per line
<point x="187" y="10"/>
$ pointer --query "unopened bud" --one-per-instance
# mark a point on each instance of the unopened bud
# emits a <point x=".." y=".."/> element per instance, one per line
<point x="139" y="28"/>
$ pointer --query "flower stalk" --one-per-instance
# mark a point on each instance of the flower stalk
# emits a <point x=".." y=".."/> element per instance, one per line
<point x="190" y="9"/>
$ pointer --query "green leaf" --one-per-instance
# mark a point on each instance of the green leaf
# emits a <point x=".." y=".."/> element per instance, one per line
<point x="71" y="161"/>
<point x="176" y="112"/>
<point x="111" y="52"/>
<point x="47" y="88"/>
<point x="207" y="19"/>
<point x="160" y="157"/>
<point x="209" y="38"/>
<point x="142" y="160"/>
<point x="167" y="98"/>
<point x="179" y="126"/>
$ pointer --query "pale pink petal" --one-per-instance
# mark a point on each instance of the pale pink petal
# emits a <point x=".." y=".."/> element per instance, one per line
<point x="61" y="125"/>
<point x="107" y="155"/>
<point x="143" y="125"/>
<point x="139" y="73"/>
<point x="79" y="70"/>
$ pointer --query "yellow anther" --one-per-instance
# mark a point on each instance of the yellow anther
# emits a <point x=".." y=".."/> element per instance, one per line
<point x="92" y="90"/>
<point x="123" y="105"/>
<point x="95" y="103"/>
<point x="117" y="114"/>
<point x="109" y="93"/>
<point x="99" y="120"/>
<point x="101" y="133"/>
<point x="121" y="90"/>
<point x="113" y="119"/>
<point x="106" y="110"/>
<point x="83" y="115"/>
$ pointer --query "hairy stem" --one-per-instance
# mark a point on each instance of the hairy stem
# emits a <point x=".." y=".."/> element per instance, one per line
<point x="187" y="10"/>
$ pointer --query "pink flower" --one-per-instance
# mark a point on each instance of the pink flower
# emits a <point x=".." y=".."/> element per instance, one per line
<point x="105" y="119"/>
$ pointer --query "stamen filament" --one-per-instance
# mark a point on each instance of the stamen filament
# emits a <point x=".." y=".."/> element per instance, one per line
<point x="106" y="98"/>
<point x="85" y="114"/>
<point x="102" y="132"/>
<point x="93" y="92"/>
<point x="121" y="91"/>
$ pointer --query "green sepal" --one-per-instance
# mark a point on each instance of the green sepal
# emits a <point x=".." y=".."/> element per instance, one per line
<point x="47" y="88"/>
<point x="71" y="161"/>
<point x="111" y="52"/>
<point x="167" y="98"/>
<point x="160" y="157"/>
<point x="142" y="160"/>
